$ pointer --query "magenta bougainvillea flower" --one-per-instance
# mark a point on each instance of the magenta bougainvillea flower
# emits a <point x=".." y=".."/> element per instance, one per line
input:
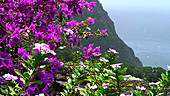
<point x="104" y="31"/>
<point x="90" y="52"/>
<point x="39" y="35"/>
<point x="24" y="22"/>
<point x="48" y="78"/>
<point x="72" y="24"/>
<point x="91" y="6"/>
<point x="91" y="21"/>
<point x="24" y="54"/>
<point x="83" y="65"/>
<point x="105" y="85"/>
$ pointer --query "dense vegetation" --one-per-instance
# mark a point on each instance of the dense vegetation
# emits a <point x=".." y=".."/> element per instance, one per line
<point x="32" y="35"/>
<point x="146" y="73"/>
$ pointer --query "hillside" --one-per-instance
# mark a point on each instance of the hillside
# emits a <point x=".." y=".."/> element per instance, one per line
<point x="103" y="21"/>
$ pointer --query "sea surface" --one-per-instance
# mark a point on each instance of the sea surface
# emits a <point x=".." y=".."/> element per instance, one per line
<point x="148" y="34"/>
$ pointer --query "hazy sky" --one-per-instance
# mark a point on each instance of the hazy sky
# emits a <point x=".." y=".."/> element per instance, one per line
<point x="158" y="6"/>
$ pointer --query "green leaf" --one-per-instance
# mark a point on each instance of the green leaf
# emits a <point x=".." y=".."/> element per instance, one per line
<point x="23" y="80"/>
<point x="25" y="67"/>
<point x="90" y="79"/>
<point x="96" y="69"/>
<point x="44" y="56"/>
<point x="4" y="91"/>
<point x="74" y="76"/>
<point x="91" y="69"/>
<point x="37" y="60"/>
<point x="19" y="73"/>
<point x="12" y="92"/>
<point x="34" y="64"/>
<point x="117" y="71"/>
<point x="124" y="70"/>
<point x="3" y="86"/>
<point x="47" y="63"/>
<point x="137" y="93"/>
<point x="77" y="72"/>
<point x="168" y="73"/>
<point x="69" y="80"/>
<point x="129" y="85"/>
<point x="101" y="78"/>
<point x="35" y="54"/>
<point x="120" y="77"/>
<point x="29" y="63"/>
<point x="150" y="93"/>
<point x="38" y="71"/>
<point x="164" y="77"/>
<point x="26" y="75"/>
<point x="38" y="81"/>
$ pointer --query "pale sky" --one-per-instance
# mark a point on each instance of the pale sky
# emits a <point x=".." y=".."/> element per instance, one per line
<point x="158" y="6"/>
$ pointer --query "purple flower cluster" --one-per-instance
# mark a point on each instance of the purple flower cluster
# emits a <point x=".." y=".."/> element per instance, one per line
<point x="6" y="62"/>
<point x="25" y="55"/>
<point x="29" y="22"/>
<point x="91" y="52"/>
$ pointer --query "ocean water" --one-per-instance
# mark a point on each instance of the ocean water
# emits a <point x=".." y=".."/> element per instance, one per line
<point x="148" y="34"/>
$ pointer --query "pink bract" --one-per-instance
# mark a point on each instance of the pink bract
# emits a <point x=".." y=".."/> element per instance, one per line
<point x="113" y="51"/>
<point x="104" y="60"/>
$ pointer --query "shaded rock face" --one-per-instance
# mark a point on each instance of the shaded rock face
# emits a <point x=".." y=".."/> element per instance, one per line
<point x="103" y="21"/>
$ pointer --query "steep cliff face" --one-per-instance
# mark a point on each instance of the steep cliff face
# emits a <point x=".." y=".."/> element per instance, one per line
<point x="103" y="21"/>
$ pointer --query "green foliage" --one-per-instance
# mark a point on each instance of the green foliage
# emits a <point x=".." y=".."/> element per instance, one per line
<point x="148" y="73"/>
<point x="65" y="54"/>
<point x="30" y="72"/>
<point x="97" y="79"/>
<point x="159" y="89"/>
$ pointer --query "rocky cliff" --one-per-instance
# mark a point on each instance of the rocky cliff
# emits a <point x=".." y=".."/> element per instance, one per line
<point x="103" y="21"/>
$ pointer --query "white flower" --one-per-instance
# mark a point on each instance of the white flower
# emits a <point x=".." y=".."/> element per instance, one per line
<point x="10" y="77"/>
<point x="112" y="51"/>
<point x="83" y="65"/>
<point x="143" y="88"/>
<point x="91" y="87"/>
<point x="116" y="65"/>
<point x="62" y="47"/>
<point x="42" y="94"/>
<point x="69" y="31"/>
<point x="107" y="70"/>
<point x="125" y="94"/>
<point x="140" y="88"/>
<point x="43" y="48"/>
<point x="152" y="83"/>
<point x="105" y="85"/>
<point x="104" y="60"/>
<point x="136" y="79"/>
